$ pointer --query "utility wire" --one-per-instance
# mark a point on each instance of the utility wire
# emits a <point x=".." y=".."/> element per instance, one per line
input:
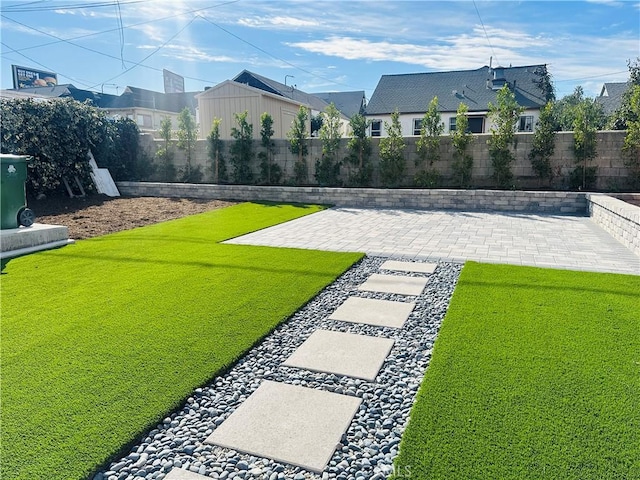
<point x="137" y="64"/>
<point x="274" y="56"/>
<point x="121" y="30"/>
<point x="44" y="66"/>
<point x="24" y="8"/>
<point x="133" y="25"/>
<point x="485" y="33"/>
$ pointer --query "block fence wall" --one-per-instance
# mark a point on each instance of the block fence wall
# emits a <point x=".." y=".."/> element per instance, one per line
<point x="612" y="175"/>
<point x="574" y="203"/>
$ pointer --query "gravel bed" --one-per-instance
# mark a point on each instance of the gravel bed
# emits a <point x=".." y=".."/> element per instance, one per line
<point x="370" y="444"/>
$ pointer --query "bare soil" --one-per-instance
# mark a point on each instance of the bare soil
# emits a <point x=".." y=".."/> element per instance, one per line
<point x="98" y="214"/>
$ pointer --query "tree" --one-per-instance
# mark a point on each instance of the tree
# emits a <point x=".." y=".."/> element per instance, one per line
<point x="166" y="169"/>
<point x="269" y="172"/>
<point x="625" y="112"/>
<point x="545" y="83"/>
<point x="187" y="136"/>
<point x="504" y="115"/>
<point x="566" y="111"/>
<point x="297" y="136"/>
<point x="218" y="166"/>
<point x="428" y="146"/>
<point x="328" y="167"/>
<point x="585" y="144"/>
<point x="461" y="138"/>
<point x="359" y="147"/>
<point x="392" y="161"/>
<point x="544" y="143"/>
<point x="631" y="148"/>
<point x="242" y="149"/>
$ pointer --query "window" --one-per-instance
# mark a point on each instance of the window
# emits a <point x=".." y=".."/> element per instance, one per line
<point x="417" y="126"/>
<point x="144" y="121"/>
<point x="376" y="128"/>
<point x="474" y="125"/>
<point x="526" y="123"/>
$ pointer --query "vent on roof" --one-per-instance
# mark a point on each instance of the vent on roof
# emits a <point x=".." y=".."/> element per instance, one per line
<point x="498" y="78"/>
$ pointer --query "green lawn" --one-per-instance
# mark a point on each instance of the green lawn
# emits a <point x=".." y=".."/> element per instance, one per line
<point x="101" y="339"/>
<point x="535" y="375"/>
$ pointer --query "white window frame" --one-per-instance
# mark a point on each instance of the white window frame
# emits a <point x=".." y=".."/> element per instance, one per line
<point x="528" y="123"/>
<point x="452" y="124"/>
<point x="417" y="126"/>
<point x="377" y="132"/>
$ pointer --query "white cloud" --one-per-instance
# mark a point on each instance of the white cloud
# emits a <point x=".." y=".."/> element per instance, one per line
<point x="278" y="22"/>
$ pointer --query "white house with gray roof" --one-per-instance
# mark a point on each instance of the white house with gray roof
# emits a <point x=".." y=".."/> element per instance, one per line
<point x="411" y="94"/>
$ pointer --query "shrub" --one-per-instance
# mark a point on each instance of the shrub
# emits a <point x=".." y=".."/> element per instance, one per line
<point x="297" y="136"/>
<point x="460" y="139"/>
<point x="428" y="146"/>
<point x="359" y="147"/>
<point x="504" y="115"/>
<point x="392" y="161"/>
<point x="218" y="165"/>
<point x="242" y="149"/>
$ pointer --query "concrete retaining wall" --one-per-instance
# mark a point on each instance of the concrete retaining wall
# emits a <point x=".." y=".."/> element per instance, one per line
<point x="490" y="200"/>
<point x="619" y="218"/>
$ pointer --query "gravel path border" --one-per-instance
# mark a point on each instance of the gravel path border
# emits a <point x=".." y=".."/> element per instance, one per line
<point x="370" y="444"/>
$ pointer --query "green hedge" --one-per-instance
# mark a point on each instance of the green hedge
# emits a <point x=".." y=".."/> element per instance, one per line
<point x="59" y="134"/>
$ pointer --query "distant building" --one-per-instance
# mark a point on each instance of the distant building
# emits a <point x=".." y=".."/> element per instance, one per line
<point x="411" y="94"/>
<point x="611" y="96"/>
<point x="146" y="107"/>
<point x="257" y="94"/>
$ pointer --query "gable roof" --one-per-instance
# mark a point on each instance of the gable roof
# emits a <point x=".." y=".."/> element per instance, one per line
<point x="288" y="91"/>
<point x="349" y="103"/>
<point x="411" y="93"/>
<point x="611" y="96"/>
<point x="67" y="90"/>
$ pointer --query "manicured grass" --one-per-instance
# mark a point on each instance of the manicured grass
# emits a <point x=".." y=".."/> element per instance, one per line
<point x="101" y="339"/>
<point x="535" y="375"/>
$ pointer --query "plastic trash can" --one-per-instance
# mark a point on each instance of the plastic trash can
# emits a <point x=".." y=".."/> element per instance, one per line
<point x="13" y="198"/>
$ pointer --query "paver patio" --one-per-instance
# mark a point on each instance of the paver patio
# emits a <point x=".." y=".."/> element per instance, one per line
<point x="553" y="241"/>
<point x="409" y="266"/>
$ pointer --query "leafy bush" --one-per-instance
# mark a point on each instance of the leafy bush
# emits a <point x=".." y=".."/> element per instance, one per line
<point x="59" y="134"/>
<point x="631" y="148"/>
<point x="242" y="149"/>
<point x="327" y="172"/>
<point x="504" y="115"/>
<point x="392" y="161"/>
<point x="298" y="144"/>
<point x="460" y="139"/>
<point x="544" y="143"/>
<point x="270" y="173"/>
<point x="359" y="147"/>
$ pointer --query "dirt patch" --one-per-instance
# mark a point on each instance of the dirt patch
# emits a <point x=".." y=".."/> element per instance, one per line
<point x="98" y="214"/>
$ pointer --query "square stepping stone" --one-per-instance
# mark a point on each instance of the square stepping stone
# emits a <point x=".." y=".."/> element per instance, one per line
<point x="288" y="423"/>
<point x="180" y="474"/>
<point x="382" y="313"/>
<point x="394" y="284"/>
<point x="409" y="266"/>
<point x="357" y="356"/>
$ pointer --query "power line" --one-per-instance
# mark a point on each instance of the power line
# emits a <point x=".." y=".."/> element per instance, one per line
<point x="24" y="8"/>
<point x="133" y="25"/>
<point x="274" y="56"/>
<point x="485" y="32"/>
<point x="44" y="66"/>
<point x="148" y="56"/>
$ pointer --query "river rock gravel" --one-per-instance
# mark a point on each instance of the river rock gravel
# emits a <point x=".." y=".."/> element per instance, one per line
<point x="366" y="450"/>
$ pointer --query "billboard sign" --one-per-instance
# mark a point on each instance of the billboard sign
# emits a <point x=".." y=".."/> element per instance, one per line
<point x="173" y="83"/>
<point x="24" y="77"/>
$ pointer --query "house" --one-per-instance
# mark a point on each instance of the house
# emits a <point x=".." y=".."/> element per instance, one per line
<point x="611" y="96"/>
<point x="412" y="93"/>
<point x="146" y="107"/>
<point x="256" y="94"/>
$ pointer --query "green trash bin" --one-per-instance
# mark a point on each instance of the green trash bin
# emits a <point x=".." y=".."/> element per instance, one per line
<point x="13" y="198"/>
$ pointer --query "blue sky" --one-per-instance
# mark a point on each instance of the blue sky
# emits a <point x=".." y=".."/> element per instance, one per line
<point x="315" y="45"/>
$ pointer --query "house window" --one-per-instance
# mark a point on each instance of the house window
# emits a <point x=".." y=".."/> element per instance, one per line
<point x="417" y="126"/>
<point x="144" y="121"/>
<point x="526" y="123"/>
<point x="376" y="128"/>
<point x="474" y="124"/>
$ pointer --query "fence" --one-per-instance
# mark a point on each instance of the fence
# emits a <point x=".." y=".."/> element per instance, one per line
<point x="611" y="173"/>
